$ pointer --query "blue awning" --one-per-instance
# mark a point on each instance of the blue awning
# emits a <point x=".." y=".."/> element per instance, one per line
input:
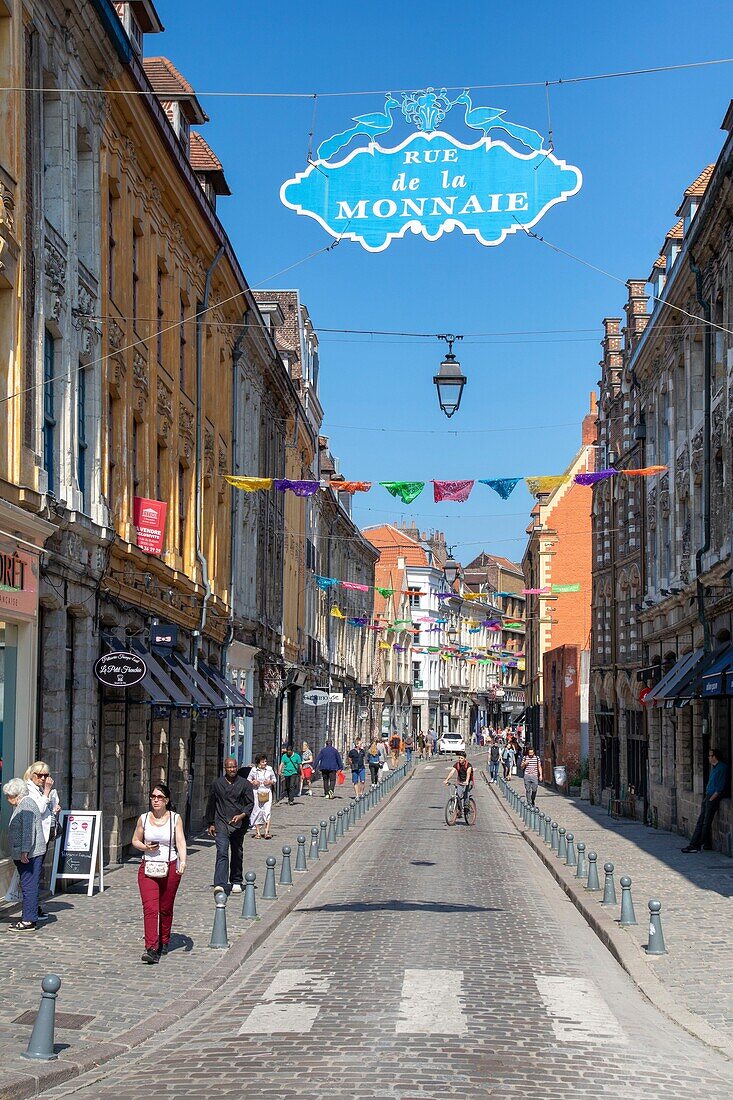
<point x="713" y="680"/>
<point x="667" y="687"/>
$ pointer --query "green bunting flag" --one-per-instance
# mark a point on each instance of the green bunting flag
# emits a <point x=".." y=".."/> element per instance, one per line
<point x="565" y="588"/>
<point x="407" y="491"/>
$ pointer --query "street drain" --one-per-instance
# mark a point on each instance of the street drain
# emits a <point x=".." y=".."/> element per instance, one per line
<point x="72" y="1021"/>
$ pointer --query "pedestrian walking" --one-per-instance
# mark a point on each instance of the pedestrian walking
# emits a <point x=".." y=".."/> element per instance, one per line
<point x="41" y="788"/>
<point x="432" y="739"/>
<point x="328" y="762"/>
<point x="394" y="748"/>
<point x="532" y="774"/>
<point x="357" y="758"/>
<point x="27" y="848"/>
<point x="715" y="791"/>
<point x="409" y="746"/>
<point x="290" y="767"/>
<point x="374" y="759"/>
<point x="306" y="770"/>
<point x="508" y="758"/>
<point x="421" y="746"/>
<point x="263" y="780"/>
<point x="228" y="812"/>
<point x="159" y="836"/>
<point x="494" y="760"/>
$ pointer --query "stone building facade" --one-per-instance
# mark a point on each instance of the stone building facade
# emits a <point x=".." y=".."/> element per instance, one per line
<point x="503" y="582"/>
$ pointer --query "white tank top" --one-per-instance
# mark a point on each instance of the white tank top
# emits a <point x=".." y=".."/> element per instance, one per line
<point x="164" y="835"/>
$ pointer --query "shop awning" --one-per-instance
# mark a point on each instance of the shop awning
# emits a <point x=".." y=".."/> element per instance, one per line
<point x="174" y="696"/>
<point x="203" y="694"/>
<point x="236" y="698"/>
<point x="666" y="689"/>
<point x="713" y="680"/>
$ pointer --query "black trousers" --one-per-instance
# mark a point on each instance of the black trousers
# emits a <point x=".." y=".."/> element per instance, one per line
<point x="329" y="782"/>
<point x="291" y="785"/>
<point x="229" y="855"/>
<point x="374" y="772"/>
<point x="703" y="829"/>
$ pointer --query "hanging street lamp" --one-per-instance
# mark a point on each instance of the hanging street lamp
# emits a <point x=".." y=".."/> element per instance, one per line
<point x="451" y="569"/>
<point x="449" y="381"/>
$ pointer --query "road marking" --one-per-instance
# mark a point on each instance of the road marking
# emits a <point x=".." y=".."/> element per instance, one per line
<point x="429" y="767"/>
<point x="430" y="1003"/>
<point x="578" y="1012"/>
<point x="282" y="1007"/>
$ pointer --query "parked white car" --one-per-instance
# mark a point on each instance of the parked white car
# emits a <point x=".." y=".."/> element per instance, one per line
<point x="451" y="743"/>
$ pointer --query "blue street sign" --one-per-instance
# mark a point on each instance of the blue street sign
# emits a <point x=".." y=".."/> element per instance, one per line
<point x="431" y="182"/>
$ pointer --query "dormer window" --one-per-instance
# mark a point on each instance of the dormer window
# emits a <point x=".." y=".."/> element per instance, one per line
<point x="138" y="17"/>
<point x="691" y="210"/>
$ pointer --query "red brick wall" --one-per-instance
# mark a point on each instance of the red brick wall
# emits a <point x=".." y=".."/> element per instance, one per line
<point x="561" y="671"/>
<point x="571" y="564"/>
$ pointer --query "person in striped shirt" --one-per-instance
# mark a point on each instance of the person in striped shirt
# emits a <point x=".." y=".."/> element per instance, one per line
<point x="532" y="774"/>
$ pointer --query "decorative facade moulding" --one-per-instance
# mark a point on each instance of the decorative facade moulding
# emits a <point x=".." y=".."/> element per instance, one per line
<point x="186" y="429"/>
<point x="54" y="266"/>
<point x="164" y="409"/>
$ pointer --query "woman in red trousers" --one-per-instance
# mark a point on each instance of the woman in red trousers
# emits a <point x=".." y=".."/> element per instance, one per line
<point x="159" y="836"/>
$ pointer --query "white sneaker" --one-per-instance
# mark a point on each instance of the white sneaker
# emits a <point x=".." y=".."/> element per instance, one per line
<point x="236" y="888"/>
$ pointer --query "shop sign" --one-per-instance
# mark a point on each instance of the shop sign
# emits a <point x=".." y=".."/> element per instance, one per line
<point x="315" y="698"/>
<point x="120" y="670"/>
<point x="149" y="518"/>
<point x="431" y="182"/>
<point x="18" y="581"/>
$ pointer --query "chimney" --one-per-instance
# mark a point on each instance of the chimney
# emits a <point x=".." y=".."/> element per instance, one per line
<point x="612" y="361"/>
<point x="637" y="317"/>
<point x="590" y="422"/>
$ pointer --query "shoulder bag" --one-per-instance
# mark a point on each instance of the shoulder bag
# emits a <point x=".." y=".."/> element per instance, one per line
<point x="158" y="868"/>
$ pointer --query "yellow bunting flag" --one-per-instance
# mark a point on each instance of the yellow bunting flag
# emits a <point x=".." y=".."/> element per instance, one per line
<point x="385" y="645"/>
<point x="249" y="484"/>
<point x="337" y="613"/>
<point x="545" y="484"/>
<point x="473" y="596"/>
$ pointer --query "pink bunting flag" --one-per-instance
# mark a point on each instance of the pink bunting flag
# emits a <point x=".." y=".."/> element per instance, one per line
<point x="356" y="587"/>
<point x="452" y="490"/>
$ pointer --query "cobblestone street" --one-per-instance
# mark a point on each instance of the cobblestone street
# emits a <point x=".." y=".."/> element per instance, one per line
<point x="429" y="962"/>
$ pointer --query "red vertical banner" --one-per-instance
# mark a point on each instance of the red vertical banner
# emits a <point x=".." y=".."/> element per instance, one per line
<point x="149" y="518"/>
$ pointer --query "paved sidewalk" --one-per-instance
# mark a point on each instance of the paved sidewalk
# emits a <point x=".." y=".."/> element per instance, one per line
<point x="95" y="944"/>
<point x="693" y="983"/>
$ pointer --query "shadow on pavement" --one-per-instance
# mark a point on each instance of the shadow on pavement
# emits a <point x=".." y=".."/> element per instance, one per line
<point x="395" y="905"/>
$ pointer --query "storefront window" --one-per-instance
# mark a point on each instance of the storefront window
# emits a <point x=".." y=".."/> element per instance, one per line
<point x="8" y="659"/>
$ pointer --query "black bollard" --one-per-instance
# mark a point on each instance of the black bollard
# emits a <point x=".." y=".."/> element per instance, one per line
<point x="40" y="1046"/>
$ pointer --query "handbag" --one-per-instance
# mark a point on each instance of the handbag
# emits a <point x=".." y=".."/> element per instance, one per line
<point x="263" y="796"/>
<point x="158" y="868"/>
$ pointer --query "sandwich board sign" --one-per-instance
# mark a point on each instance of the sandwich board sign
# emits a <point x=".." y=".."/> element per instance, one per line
<point x="78" y="851"/>
<point x="431" y="182"/>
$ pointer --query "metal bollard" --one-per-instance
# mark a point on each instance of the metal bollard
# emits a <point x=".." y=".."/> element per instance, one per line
<point x="332" y="829"/>
<point x="219" y="931"/>
<point x="286" y="871"/>
<point x="628" y="916"/>
<point x="562" y="845"/>
<point x="323" y="837"/>
<point x="40" y="1045"/>
<point x="269" y="892"/>
<point x="609" y="886"/>
<point x="570" y="858"/>
<point x="339" y="823"/>
<point x="540" y="824"/>
<point x="301" y="864"/>
<point x="548" y="829"/>
<point x="656" y="944"/>
<point x="347" y="816"/>
<point x="553" y="842"/>
<point x="249" y="908"/>
<point x="592" y="883"/>
<point x="580" y="871"/>
<point x="313" y="853"/>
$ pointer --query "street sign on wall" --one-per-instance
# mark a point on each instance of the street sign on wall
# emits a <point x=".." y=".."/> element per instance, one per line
<point x="315" y="698"/>
<point x="431" y="182"/>
<point x="149" y="517"/>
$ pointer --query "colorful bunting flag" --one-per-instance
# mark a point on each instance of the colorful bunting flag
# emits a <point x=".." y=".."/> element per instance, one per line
<point x="385" y="645"/>
<point x="545" y="484"/>
<point x="535" y="591"/>
<point x="300" y="488"/>
<point x="357" y="620"/>
<point x="445" y="595"/>
<point x="350" y="486"/>
<point x="565" y="588"/>
<point x="386" y="592"/>
<point x="355" y="587"/>
<point x="337" y="613"/>
<point x="407" y="491"/>
<point x="249" y="484"/>
<point x="452" y="490"/>
<point x="324" y="583"/>
<point x="504" y="486"/>
<point x="645" y="471"/>
<point x="591" y="478"/>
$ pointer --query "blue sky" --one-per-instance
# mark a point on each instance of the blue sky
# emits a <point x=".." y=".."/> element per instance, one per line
<point x="638" y="142"/>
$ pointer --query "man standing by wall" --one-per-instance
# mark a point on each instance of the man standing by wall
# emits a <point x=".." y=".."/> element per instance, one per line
<point x="714" y="792"/>
<point x="228" y="810"/>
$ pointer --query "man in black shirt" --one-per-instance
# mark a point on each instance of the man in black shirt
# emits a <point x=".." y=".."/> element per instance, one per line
<point x="228" y="810"/>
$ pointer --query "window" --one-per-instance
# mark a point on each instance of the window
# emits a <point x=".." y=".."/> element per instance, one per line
<point x="81" y="437"/>
<point x="49" y="420"/>
<point x="718" y="339"/>
<point x="159" y="315"/>
<point x="111" y="463"/>
<point x="414" y="599"/>
<point x="181" y="508"/>
<point x="416" y="681"/>
<point x="135" y="277"/>
<point x="111" y="244"/>
<point x="182" y="346"/>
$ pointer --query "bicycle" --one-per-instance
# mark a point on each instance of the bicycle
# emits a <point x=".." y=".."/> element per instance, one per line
<point x="459" y="806"/>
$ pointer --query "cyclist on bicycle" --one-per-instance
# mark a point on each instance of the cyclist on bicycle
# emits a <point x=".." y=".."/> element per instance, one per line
<point x="463" y="772"/>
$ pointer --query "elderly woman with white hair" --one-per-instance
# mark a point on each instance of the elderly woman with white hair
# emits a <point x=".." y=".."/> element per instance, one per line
<point x="27" y="847"/>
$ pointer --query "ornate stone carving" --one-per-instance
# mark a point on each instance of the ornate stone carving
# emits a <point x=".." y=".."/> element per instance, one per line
<point x="718" y="426"/>
<point x="140" y="381"/>
<point x="7" y="206"/>
<point x="84" y="320"/>
<point x="223" y="469"/>
<point x="164" y="407"/>
<point x="186" y="427"/>
<point x="209" y="455"/>
<point x="682" y="474"/>
<point x="685" y="556"/>
<point x="696" y="461"/>
<point x="651" y="509"/>
<point x="115" y="334"/>
<point x="54" y="265"/>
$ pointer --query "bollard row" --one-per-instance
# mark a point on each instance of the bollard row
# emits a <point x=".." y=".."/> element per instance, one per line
<point x="573" y="855"/>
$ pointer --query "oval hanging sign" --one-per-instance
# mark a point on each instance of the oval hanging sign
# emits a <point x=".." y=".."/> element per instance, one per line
<point x="316" y="698"/>
<point x="120" y="670"/>
<point x="499" y="180"/>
